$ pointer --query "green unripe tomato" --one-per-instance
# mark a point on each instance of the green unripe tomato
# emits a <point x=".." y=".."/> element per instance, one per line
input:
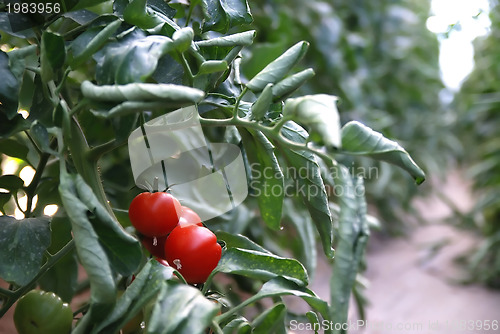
<point x="40" y="312"/>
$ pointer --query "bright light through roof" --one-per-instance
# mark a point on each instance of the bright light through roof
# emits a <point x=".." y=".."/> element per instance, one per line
<point x="457" y="54"/>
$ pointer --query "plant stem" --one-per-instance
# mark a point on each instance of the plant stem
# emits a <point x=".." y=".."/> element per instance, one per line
<point x="273" y="133"/>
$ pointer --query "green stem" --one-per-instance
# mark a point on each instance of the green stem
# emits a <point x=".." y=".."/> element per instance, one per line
<point x="6" y="293"/>
<point x="273" y="133"/>
<point x="186" y="67"/>
<point x="237" y="104"/>
<point x="216" y="328"/>
<point x="98" y="151"/>
<point x="31" y="189"/>
<point x="15" y="295"/>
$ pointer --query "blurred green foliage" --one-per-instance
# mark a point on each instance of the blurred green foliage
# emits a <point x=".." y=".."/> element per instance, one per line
<point x="478" y="103"/>
<point x="382" y="62"/>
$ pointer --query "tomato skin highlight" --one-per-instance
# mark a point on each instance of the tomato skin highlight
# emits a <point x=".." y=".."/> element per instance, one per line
<point x="193" y="250"/>
<point x="39" y="312"/>
<point x="189" y="217"/>
<point x="154" y="214"/>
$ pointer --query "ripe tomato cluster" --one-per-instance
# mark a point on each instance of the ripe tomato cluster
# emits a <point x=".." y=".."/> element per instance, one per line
<point x="176" y="234"/>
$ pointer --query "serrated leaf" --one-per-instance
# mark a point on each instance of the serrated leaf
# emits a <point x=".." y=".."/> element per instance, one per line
<point x="311" y="186"/>
<point x="181" y="309"/>
<point x="278" y="68"/>
<point x="267" y="177"/>
<point x="352" y="239"/>
<point x="358" y="139"/>
<point x="22" y="247"/>
<point x="318" y="113"/>
<point x="259" y="265"/>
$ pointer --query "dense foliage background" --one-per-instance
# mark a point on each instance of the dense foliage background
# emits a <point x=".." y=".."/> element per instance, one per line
<point x="264" y="76"/>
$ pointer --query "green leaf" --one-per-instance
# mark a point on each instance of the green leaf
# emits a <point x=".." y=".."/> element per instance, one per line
<point x="353" y="235"/>
<point x="216" y="19"/>
<point x="305" y="232"/>
<point x="271" y="320"/>
<point x="239" y="241"/>
<point x="311" y="187"/>
<point x="131" y="59"/>
<point x="237" y="11"/>
<point x="62" y="277"/>
<point x="259" y="265"/>
<point x="240" y="39"/>
<point x="52" y="54"/>
<point x="9" y="89"/>
<point x="144" y="288"/>
<point x="11" y="182"/>
<point x="267" y="177"/>
<point x="13" y="148"/>
<point x="262" y="104"/>
<point x="181" y="309"/>
<point x="183" y="38"/>
<point x="319" y="113"/>
<point x="212" y="66"/>
<point x="141" y="92"/>
<point x="238" y="325"/>
<point x="314" y="320"/>
<point x="280" y="286"/>
<point x="88" y="43"/>
<point x="358" y="139"/>
<point x="22" y="248"/>
<point x="86" y="3"/>
<point x="8" y="127"/>
<point x="122" y="249"/>
<point x="41" y="137"/>
<point x="91" y="254"/>
<point x="277" y="69"/>
<point x="136" y="13"/>
<point x="287" y="86"/>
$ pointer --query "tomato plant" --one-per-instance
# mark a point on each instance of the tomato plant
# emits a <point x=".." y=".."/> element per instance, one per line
<point x="40" y="312"/>
<point x="77" y="85"/>
<point x="154" y="214"/>
<point x="193" y="251"/>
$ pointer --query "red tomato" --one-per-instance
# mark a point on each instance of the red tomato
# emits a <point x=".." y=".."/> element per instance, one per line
<point x="155" y="248"/>
<point x="154" y="214"/>
<point x="189" y="217"/>
<point x="193" y="251"/>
